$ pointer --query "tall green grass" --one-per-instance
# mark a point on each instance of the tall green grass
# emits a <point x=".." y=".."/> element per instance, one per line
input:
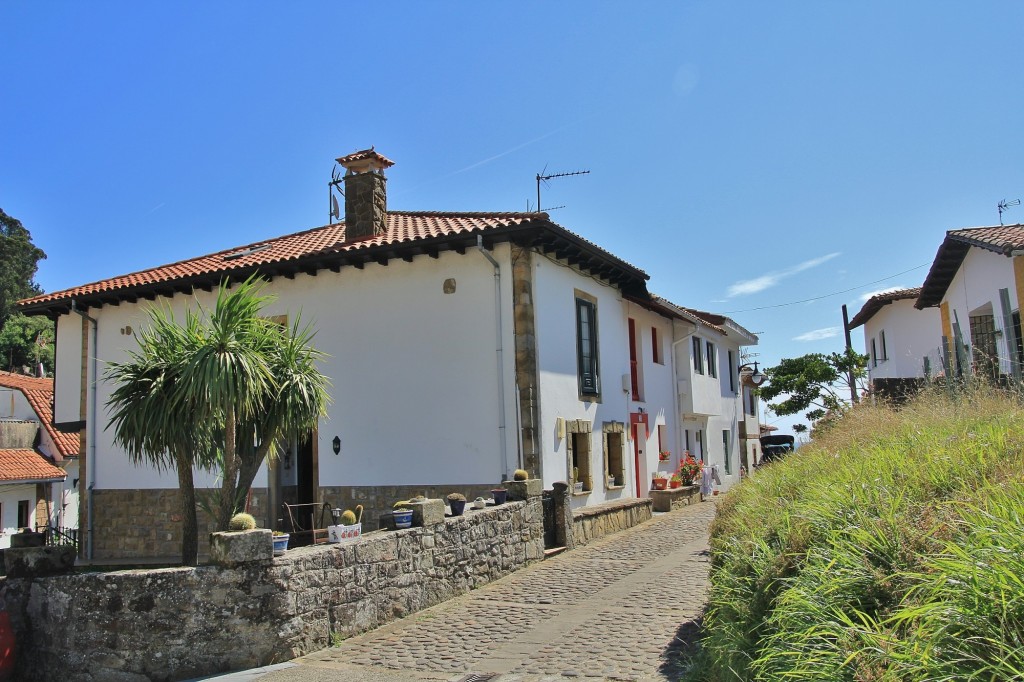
<point x="891" y="548"/>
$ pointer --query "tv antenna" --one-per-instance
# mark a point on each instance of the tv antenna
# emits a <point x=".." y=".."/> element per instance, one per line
<point x="1003" y="205"/>
<point x="544" y="177"/>
<point x="335" y="185"/>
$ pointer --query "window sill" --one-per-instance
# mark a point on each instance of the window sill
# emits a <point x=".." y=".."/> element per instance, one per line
<point x="615" y="487"/>
<point x="582" y="494"/>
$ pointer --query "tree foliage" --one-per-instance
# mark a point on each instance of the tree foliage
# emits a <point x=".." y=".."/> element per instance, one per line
<point x="217" y="391"/>
<point x="815" y="380"/>
<point x="18" y="262"/>
<point x="26" y="342"/>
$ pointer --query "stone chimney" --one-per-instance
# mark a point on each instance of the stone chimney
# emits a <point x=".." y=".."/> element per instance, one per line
<point x="366" y="196"/>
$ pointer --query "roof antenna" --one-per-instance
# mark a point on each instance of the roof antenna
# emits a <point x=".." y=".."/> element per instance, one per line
<point x="335" y="185"/>
<point x="1003" y="205"/>
<point x="543" y="177"/>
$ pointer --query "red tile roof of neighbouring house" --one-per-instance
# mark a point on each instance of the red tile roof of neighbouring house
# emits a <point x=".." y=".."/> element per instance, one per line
<point x="408" y="234"/>
<point x="39" y="394"/>
<point x="1001" y="239"/>
<point x="878" y="301"/>
<point x="27" y="466"/>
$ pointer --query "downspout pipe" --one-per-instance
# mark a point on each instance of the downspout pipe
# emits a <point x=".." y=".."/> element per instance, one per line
<point x="500" y="355"/>
<point x="90" y="420"/>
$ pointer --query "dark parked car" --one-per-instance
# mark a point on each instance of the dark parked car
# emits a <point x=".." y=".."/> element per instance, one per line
<point x="774" y="447"/>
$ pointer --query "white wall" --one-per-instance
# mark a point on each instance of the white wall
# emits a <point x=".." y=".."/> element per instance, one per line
<point x="977" y="282"/>
<point x="555" y="313"/>
<point x="68" y="368"/>
<point x="13" y="405"/>
<point x="413" y="372"/>
<point x="910" y="336"/>
<point x="10" y="495"/>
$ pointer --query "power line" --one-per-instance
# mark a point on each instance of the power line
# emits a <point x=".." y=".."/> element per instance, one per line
<point x="834" y="293"/>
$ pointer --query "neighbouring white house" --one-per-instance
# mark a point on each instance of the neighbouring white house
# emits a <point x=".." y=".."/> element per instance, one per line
<point x="461" y="346"/>
<point x="901" y="341"/>
<point x="38" y="461"/>
<point x="977" y="282"/>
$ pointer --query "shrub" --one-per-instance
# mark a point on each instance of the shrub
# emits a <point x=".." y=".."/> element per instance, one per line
<point x="520" y="475"/>
<point x="242" y="522"/>
<point x="889" y="548"/>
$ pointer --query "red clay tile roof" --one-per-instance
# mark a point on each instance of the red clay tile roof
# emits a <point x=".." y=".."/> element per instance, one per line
<point x="1002" y="239"/>
<point x="27" y="466"/>
<point x="878" y="301"/>
<point x="321" y="247"/>
<point x="366" y="154"/>
<point x="39" y="394"/>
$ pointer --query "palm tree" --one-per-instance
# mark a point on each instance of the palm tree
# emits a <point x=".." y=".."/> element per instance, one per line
<point x="231" y="384"/>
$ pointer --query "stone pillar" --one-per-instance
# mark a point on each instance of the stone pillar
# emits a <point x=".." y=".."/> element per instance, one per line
<point x="524" y="490"/>
<point x="563" y="515"/>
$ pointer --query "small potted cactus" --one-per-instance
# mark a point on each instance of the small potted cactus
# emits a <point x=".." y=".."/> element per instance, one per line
<point x="402" y="514"/>
<point x="457" y="502"/>
<point x="280" y="542"/>
<point x="520" y="475"/>
<point x="499" y="495"/>
<point x="349" y="526"/>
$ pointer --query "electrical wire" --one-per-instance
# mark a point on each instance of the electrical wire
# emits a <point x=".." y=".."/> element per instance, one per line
<point x="834" y="293"/>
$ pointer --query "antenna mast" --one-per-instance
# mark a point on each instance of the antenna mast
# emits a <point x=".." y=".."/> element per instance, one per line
<point x="541" y="177"/>
<point x="333" y="210"/>
<point x="1003" y="205"/>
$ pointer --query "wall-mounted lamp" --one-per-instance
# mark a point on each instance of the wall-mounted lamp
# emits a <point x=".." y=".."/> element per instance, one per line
<point x="640" y="410"/>
<point x="751" y="375"/>
<point x="336" y="445"/>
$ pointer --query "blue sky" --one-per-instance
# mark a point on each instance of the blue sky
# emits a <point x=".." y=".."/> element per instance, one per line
<point x="744" y="154"/>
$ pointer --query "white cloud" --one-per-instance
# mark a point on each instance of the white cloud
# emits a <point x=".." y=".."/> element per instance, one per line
<point x="766" y="281"/>
<point x="819" y="334"/>
<point x="864" y="297"/>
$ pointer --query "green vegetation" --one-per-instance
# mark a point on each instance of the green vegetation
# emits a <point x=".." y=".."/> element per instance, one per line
<point x="888" y="549"/>
<point x="520" y="475"/>
<point x="348" y="518"/>
<point x="242" y="521"/>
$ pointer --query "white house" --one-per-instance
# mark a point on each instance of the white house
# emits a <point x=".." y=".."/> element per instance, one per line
<point x="901" y="341"/>
<point x="977" y="282"/>
<point x="38" y="461"/>
<point x="462" y="346"/>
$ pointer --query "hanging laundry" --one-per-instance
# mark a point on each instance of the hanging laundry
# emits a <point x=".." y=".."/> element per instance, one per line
<point x="706" y="480"/>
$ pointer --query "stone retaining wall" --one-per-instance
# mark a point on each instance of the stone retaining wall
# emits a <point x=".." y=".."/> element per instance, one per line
<point x="177" y="623"/>
<point x="675" y="498"/>
<point x="591" y="523"/>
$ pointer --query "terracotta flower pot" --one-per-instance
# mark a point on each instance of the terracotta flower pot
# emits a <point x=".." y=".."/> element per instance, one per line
<point x="659" y="483"/>
<point x="675" y="484"/>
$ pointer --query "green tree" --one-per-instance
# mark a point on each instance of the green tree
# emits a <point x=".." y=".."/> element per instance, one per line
<point x="18" y="262"/>
<point x="26" y="342"/>
<point x="217" y="391"/>
<point x="816" y="381"/>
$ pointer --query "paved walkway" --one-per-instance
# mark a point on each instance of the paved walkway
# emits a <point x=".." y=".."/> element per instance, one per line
<point x="622" y="608"/>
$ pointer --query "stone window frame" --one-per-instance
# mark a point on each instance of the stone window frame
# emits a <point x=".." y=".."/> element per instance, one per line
<point x="612" y="468"/>
<point x="579" y="430"/>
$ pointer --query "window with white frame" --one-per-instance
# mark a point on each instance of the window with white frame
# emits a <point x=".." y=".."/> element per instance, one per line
<point x="732" y="372"/>
<point x="698" y="356"/>
<point x="712" y="354"/>
<point x="586" y="347"/>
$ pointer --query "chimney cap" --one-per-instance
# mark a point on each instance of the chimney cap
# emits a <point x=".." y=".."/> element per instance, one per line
<point x="365" y="160"/>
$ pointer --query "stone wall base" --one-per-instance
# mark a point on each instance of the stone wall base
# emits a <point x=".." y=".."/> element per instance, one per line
<point x="675" y="498"/>
<point x="591" y="523"/>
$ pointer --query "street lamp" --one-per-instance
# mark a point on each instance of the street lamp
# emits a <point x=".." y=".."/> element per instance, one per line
<point x="751" y="375"/>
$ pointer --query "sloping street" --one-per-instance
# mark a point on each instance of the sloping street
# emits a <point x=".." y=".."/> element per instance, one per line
<point x="622" y="608"/>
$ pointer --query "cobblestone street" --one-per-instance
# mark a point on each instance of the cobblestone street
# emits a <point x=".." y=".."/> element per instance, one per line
<point x="621" y="608"/>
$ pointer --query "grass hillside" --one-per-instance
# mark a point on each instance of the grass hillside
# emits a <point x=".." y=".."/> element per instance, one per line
<point x="891" y="548"/>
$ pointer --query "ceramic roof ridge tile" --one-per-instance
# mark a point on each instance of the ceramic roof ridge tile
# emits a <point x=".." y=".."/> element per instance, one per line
<point x="23" y="464"/>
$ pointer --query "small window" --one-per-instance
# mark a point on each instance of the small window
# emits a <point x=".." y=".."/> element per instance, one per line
<point x="712" y="360"/>
<point x="881" y="340"/>
<point x="874" y="354"/>
<point x="23" y="520"/>
<point x="580" y="444"/>
<point x="725" y="449"/>
<point x="732" y="372"/>
<point x="614" y="457"/>
<point x="635" y="364"/>
<point x="586" y="347"/>
<point x="700" y="442"/>
<point x="698" y="356"/>
<point x="656" y="347"/>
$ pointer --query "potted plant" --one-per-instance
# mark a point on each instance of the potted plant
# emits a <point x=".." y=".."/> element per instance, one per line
<point x="402" y="515"/>
<point x="664" y="456"/>
<point x="520" y="475"/>
<point x="577" y="484"/>
<point x="280" y="542"/>
<point x="499" y="495"/>
<point x="611" y="480"/>
<point x="349" y="526"/>
<point x="689" y="469"/>
<point x="659" y="481"/>
<point x="457" y="502"/>
<point x="675" y="481"/>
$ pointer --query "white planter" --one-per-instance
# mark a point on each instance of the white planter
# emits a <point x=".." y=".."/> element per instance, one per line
<point x="337" y="534"/>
